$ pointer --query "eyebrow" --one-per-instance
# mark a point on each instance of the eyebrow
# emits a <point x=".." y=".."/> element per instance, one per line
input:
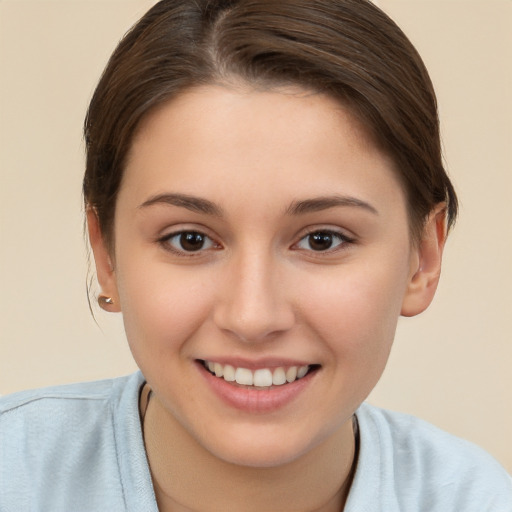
<point x="192" y="203"/>
<point x="200" y="205"/>
<point x="323" y="203"/>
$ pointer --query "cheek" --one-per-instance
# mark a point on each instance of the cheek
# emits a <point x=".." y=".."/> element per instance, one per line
<point x="356" y="312"/>
<point x="162" y="307"/>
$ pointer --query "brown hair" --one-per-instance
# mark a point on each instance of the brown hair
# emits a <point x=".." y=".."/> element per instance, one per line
<point x="348" y="49"/>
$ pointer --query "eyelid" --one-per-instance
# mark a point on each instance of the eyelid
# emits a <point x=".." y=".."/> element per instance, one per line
<point x="164" y="242"/>
<point x="346" y="240"/>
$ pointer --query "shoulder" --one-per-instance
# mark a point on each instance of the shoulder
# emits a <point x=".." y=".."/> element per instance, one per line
<point x="412" y="441"/>
<point x="421" y="467"/>
<point x="63" y="411"/>
<point x="55" y="443"/>
<point x="75" y="399"/>
<point x="32" y="399"/>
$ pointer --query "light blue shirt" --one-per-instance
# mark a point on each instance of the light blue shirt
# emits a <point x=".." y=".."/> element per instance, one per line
<point x="79" y="448"/>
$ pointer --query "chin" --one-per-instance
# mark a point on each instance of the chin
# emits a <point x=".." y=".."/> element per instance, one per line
<point x="257" y="457"/>
<point x="259" y="449"/>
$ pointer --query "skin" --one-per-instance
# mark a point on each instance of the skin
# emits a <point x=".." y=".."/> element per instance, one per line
<point x="258" y="290"/>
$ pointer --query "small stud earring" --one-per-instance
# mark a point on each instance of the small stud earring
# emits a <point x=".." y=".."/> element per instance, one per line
<point x="104" y="302"/>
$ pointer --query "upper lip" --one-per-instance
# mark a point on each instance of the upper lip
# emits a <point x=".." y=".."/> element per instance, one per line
<point x="255" y="364"/>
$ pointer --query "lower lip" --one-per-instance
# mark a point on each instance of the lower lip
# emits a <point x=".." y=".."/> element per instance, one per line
<point x="254" y="400"/>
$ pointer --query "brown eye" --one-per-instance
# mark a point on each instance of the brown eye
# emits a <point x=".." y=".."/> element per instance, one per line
<point x="192" y="241"/>
<point x="188" y="241"/>
<point x="322" y="241"/>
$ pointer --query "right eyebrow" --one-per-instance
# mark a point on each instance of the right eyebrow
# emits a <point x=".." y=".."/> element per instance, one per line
<point x="192" y="203"/>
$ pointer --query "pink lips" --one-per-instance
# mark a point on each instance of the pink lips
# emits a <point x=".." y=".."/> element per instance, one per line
<point x="254" y="400"/>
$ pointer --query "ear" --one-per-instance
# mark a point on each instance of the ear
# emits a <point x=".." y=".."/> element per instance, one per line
<point x="104" y="263"/>
<point x="426" y="264"/>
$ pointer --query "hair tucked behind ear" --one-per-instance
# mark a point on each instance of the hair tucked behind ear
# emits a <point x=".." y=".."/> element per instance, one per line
<point x="348" y="49"/>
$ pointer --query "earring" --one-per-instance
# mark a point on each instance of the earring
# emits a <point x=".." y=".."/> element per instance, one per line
<point x="105" y="302"/>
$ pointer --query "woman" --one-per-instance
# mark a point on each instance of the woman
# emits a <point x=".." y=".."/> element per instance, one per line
<point x="265" y="196"/>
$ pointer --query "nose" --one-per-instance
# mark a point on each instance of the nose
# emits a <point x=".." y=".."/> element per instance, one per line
<point x="252" y="303"/>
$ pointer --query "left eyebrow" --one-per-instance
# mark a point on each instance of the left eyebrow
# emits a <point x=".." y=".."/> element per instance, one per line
<point x="325" y="202"/>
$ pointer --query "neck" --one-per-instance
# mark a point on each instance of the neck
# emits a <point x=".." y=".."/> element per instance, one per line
<point x="188" y="478"/>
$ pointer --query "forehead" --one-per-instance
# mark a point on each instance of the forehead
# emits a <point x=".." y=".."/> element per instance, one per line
<point x="290" y="139"/>
<point x="242" y="113"/>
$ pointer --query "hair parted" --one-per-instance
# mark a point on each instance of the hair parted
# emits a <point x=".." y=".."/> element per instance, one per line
<point x="348" y="49"/>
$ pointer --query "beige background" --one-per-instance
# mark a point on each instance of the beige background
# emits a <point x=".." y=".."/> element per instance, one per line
<point x="451" y="366"/>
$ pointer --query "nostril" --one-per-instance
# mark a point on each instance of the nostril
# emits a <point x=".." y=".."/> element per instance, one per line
<point x="254" y="325"/>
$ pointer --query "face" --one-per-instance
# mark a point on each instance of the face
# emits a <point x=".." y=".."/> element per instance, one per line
<point x="262" y="258"/>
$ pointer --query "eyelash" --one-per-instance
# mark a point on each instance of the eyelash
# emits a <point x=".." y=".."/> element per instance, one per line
<point x="166" y="242"/>
<point x="343" y="240"/>
<point x="321" y="234"/>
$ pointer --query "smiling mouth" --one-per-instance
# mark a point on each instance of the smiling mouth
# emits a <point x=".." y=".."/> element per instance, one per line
<point x="263" y="378"/>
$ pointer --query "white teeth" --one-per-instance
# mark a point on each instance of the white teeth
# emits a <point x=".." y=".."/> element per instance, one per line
<point x="279" y="377"/>
<point x="302" y="371"/>
<point x="263" y="377"/>
<point x="244" y="376"/>
<point x="229" y="373"/>
<point x="291" y="374"/>
<point x="218" y="369"/>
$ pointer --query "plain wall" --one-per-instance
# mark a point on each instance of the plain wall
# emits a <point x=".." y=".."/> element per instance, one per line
<point x="451" y="365"/>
